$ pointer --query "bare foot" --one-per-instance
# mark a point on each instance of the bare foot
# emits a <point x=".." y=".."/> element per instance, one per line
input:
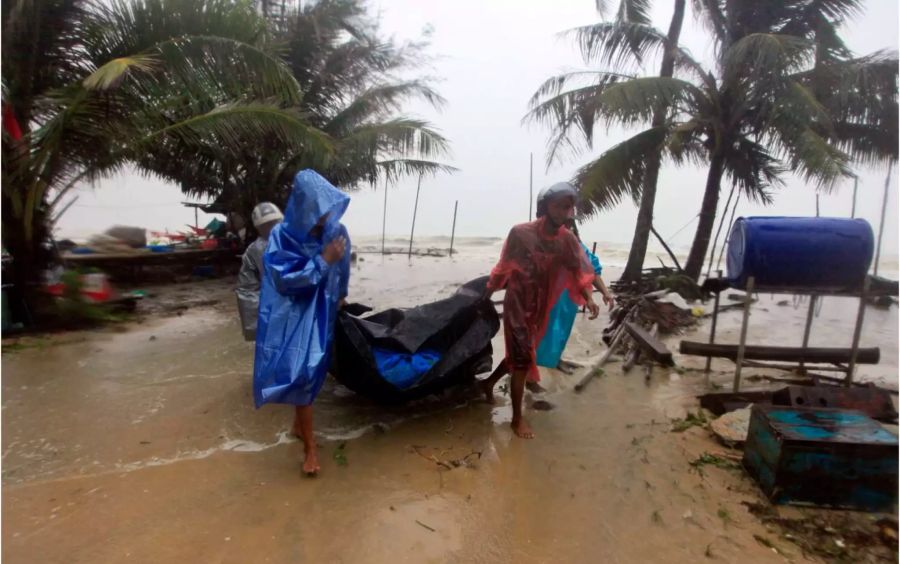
<point x="488" y="390"/>
<point x="522" y="429"/>
<point x="311" y="463"/>
<point x="534" y="387"/>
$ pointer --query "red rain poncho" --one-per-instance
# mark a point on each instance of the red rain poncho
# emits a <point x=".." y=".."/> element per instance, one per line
<point x="534" y="268"/>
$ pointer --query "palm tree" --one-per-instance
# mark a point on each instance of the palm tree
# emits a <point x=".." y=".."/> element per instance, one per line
<point x="354" y="83"/>
<point x="95" y="86"/>
<point x="854" y="99"/>
<point x="752" y="118"/>
<point x="620" y="44"/>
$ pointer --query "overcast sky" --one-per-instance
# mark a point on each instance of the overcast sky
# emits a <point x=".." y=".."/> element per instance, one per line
<point x="491" y="56"/>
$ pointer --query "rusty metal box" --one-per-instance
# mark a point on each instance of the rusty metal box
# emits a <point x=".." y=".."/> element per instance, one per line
<point x="833" y="457"/>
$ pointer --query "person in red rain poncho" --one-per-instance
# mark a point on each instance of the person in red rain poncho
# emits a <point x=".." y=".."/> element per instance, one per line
<point x="540" y="259"/>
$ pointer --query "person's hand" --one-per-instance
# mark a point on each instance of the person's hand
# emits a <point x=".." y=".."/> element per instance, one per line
<point x="609" y="301"/>
<point x="594" y="308"/>
<point x="334" y="251"/>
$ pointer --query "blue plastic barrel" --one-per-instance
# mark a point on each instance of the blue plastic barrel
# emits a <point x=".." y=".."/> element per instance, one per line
<point x="800" y="253"/>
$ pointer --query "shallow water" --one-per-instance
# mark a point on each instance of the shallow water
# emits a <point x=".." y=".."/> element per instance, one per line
<point x="144" y="445"/>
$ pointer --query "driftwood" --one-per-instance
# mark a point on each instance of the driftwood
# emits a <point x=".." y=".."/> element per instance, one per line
<point x="598" y="368"/>
<point x="631" y="359"/>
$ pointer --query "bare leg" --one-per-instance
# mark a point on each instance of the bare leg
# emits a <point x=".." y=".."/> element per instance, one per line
<point x="487" y="385"/>
<point x="519" y="425"/>
<point x="297" y="427"/>
<point x="304" y="414"/>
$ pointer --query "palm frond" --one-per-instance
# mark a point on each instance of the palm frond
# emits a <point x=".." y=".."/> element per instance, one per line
<point x="617" y="173"/>
<point x="231" y="66"/>
<point x="634" y="11"/>
<point x="754" y="170"/>
<point x="234" y="126"/>
<point x="711" y="13"/>
<point x="398" y="137"/>
<point x="618" y="44"/>
<point x="569" y="109"/>
<point x="395" y="169"/>
<point x="380" y="101"/>
<point x="610" y="101"/>
<point x="636" y="100"/>
<point x="860" y="95"/>
<point x="112" y="73"/>
<point x="684" y="143"/>
<point x="812" y="156"/>
<point x="761" y="56"/>
<point x="121" y="28"/>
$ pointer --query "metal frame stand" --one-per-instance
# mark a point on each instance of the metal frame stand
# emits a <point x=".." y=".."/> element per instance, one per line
<point x="739" y="362"/>
<point x="857" y="333"/>
<point x="849" y="369"/>
<point x="808" y="329"/>
<point x="712" y="331"/>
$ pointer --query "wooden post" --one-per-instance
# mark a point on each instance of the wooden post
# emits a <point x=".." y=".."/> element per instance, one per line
<point x="196" y="221"/>
<point x="853" y="206"/>
<point x="887" y="185"/>
<point x="748" y="299"/>
<point x="712" y="331"/>
<point x="415" y="211"/>
<point x="817" y="205"/>
<point x="728" y="235"/>
<point x="715" y="243"/>
<point x="857" y="332"/>
<point x="384" y="217"/>
<point x="453" y="229"/>
<point x="808" y="329"/>
<point x="530" y="183"/>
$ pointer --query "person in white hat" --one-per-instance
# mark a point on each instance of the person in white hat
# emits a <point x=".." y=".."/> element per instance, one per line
<point x="266" y="215"/>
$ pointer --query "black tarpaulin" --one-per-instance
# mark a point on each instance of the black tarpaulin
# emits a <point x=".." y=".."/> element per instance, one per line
<point x="458" y="328"/>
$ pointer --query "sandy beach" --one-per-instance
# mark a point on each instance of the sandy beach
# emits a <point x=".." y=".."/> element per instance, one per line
<point x="140" y="443"/>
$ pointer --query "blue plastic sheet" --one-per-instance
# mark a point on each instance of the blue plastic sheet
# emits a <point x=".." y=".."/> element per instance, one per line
<point x="300" y="294"/>
<point x="404" y="369"/>
<point x="560" y="322"/>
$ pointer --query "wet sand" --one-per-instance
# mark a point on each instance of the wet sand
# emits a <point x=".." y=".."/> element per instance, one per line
<point x="143" y="445"/>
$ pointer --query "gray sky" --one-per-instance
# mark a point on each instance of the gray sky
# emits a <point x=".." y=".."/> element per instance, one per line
<point x="492" y="55"/>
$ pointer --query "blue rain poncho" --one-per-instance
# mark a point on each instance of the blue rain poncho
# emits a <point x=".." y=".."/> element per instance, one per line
<point x="300" y="293"/>
<point x="560" y="322"/>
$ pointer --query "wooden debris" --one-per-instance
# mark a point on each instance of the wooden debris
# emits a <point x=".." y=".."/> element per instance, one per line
<point x="650" y="345"/>
<point x="784" y="354"/>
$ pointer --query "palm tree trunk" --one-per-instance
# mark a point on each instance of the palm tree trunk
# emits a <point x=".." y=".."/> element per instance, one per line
<point x="648" y="192"/>
<point x="707" y="217"/>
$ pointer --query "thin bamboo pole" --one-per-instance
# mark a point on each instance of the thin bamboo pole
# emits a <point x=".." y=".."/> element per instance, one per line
<point x="453" y="230"/>
<point x="887" y="186"/>
<point x="415" y="211"/>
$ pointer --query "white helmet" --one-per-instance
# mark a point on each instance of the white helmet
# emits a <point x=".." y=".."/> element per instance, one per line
<point x="265" y="212"/>
<point x="560" y="189"/>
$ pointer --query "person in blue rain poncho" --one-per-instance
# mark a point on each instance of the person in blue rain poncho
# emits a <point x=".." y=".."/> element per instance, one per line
<point x="307" y="265"/>
<point x="562" y="316"/>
